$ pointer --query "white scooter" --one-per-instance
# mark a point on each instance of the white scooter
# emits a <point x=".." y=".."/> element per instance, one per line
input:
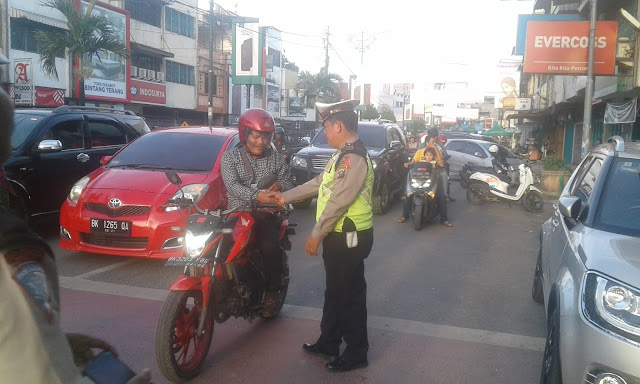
<point x="487" y="187"/>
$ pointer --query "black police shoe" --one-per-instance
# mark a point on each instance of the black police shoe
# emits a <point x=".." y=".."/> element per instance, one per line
<point x="315" y="349"/>
<point x="343" y="365"/>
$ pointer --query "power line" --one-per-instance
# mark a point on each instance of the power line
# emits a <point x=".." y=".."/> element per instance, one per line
<point x="345" y="64"/>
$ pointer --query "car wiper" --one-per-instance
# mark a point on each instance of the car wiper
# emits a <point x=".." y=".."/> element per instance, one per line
<point x="139" y="166"/>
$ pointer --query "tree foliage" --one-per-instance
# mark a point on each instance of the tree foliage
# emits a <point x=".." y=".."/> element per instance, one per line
<point x="387" y="114"/>
<point x="416" y="127"/>
<point x="370" y="112"/>
<point x="319" y="87"/>
<point x="89" y="35"/>
<point x="290" y="65"/>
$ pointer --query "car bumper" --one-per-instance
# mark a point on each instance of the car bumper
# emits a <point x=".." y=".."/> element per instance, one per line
<point x="154" y="235"/>
<point x="302" y="175"/>
<point x="587" y="351"/>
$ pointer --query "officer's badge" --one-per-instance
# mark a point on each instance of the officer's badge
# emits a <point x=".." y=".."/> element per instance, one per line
<point x="340" y="173"/>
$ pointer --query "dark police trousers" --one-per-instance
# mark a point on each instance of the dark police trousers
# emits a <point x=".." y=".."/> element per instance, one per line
<point x="344" y="315"/>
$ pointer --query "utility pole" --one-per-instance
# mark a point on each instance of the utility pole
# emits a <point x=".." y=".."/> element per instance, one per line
<point x="210" y="77"/>
<point x="362" y="44"/>
<point x="588" y="95"/>
<point x="326" y="53"/>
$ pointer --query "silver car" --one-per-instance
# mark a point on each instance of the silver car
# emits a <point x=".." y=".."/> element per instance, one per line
<point x="588" y="271"/>
<point x="463" y="151"/>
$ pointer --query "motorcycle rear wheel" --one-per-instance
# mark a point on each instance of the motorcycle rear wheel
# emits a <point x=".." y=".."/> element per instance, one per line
<point x="179" y="352"/>
<point x="533" y="201"/>
<point x="477" y="192"/>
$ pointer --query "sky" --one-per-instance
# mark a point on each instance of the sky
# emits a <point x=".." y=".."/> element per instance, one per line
<point x="406" y="41"/>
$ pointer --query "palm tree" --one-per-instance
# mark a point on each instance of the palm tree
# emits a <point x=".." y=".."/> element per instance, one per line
<point x="320" y="87"/>
<point x="88" y="35"/>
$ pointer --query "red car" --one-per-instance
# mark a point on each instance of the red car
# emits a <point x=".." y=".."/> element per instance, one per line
<point x="119" y="209"/>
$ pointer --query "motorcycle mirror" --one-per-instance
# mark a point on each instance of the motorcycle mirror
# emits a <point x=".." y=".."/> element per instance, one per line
<point x="173" y="177"/>
<point x="266" y="181"/>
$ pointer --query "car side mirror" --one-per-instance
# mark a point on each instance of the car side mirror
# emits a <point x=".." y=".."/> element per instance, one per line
<point x="105" y="159"/>
<point x="569" y="206"/>
<point x="50" y="146"/>
<point x="395" y="144"/>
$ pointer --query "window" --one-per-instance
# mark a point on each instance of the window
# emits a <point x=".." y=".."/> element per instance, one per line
<point x="69" y="133"/>
<point x="23" y="36"/>
<point x="205" y="83"/>
<point x="620" y="202"/>
<point x="147" y="11"/>
<point x="179" y="23"/>
<point x="474" y="150"/>
<point x="104" y="134"/>
<point x="180" y="73"/>
<point x="588" y="182"/>
<point x="457" y="146"/>
<point x="149" y="62"/>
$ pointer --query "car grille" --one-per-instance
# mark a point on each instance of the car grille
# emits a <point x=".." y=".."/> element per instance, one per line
<point x="107" y="240"/>
<point x="126" y="210"/>
<point x="319" y="162"/>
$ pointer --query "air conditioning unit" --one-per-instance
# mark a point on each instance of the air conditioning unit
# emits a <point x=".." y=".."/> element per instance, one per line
<point x="142" y="72"/>
<point x="134" y="71"/>
<point x="151" y="74"/>
<point x="160" y="76"/>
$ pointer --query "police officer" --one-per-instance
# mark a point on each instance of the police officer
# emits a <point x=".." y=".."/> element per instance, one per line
<point x="345" y="228"/>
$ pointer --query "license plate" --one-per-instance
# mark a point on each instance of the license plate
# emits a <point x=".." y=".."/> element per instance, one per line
<point x="116" y="227"/>
<point x="186" y="261"/>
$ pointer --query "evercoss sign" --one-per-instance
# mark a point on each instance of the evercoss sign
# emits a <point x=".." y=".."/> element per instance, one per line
<point x="561" y="47"/>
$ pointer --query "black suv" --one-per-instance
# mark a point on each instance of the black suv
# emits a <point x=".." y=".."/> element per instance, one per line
<point x="387" y="150"/>
<point x="52" y="149"/>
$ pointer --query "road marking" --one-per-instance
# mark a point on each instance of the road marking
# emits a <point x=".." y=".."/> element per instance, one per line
<point x="106" y="269"/>
<point x="307" y="313"/>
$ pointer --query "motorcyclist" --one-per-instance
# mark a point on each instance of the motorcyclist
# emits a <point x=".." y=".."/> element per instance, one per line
<point x="281" y="144"/>
<point x="500" y="164"/>
<point x="242" y="168"/>
<point x="429" y="157"/>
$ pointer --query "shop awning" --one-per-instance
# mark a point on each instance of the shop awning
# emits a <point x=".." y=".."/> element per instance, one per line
<point x="150" y="50"/>
<point x="22" y="14"/>
<point x="524" y="116"/>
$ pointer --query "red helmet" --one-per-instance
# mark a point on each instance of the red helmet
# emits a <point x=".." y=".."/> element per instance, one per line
<point x="255" y="119"/>
<point x="442" y="139"/>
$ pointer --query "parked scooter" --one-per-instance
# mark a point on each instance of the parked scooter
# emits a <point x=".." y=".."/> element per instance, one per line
<point x="487" y="187"/>
<point x="223" y="276"/>
<point x="469" y="169"/>
<point x="423" y="182"/>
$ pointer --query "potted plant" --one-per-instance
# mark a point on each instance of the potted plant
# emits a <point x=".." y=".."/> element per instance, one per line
<point x="554" y="174"/>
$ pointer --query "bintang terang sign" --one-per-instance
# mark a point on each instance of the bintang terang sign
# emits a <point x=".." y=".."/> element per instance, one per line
<point x="561" y="47"/>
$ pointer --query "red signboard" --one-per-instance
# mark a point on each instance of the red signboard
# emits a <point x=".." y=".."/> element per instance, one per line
<point x="561" y="47"/>
<point x="49" y="97"/>
<point x="147" y="92"/>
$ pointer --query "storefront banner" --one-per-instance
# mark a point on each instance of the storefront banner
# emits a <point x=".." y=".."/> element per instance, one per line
<point x="561" y="47"/>
<point x="49" y="97"/>
<point x="109" y="72"/>
<point x="148" y="92"/>
<point x="273" y="100"/>
<point x="296" y="103"/>
<point x="247" y="52"/>
<point x="23" y="86"/>
<point x="523" y="104"/>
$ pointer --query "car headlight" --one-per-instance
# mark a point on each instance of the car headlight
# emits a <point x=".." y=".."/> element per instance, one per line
<point x="77" y="188"/>
<point x="420" y="184"/>
<point x="194" y="192"/>
<point x="195" y="243"/>
<point x="612" y="305"/>
<point x="299" y="161"/>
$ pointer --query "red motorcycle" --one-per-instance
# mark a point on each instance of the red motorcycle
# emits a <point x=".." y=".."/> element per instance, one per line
<point x="223" y="276"/>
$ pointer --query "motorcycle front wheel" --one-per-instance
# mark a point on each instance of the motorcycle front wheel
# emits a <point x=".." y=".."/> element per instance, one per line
<point x="533" y="201"/>
<point x="417" y="217"/>
<point x="180" y="352"/>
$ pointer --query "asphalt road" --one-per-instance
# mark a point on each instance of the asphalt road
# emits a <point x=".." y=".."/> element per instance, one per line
<point x="445" y="304"/>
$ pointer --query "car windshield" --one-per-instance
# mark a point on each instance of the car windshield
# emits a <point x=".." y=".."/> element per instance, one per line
<point x="23" y="125"/>
<point x="620" y="205"/>
<point x="502" y="151"/>
<point x="171" y="151"/>
<point x="372" y="137"/>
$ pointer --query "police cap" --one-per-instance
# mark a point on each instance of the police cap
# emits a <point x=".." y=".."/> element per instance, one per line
<point x="326" y="110"/>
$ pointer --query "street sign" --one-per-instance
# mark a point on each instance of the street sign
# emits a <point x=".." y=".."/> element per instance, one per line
<point x="184" y="124"/>
<point x="523" y="104"/>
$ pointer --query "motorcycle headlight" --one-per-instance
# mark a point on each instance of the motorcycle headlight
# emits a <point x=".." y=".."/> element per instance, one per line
<point x="612" y="305"/>
<point x="299" y="161"/>
<point x="420" y="183"/>
<point x="194" y="192"/>
<point x="195" y="244"/>
<point x="77" y="188"/>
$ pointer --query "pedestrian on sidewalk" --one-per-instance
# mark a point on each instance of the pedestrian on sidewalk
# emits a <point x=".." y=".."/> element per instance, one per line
<point x="345" y="228"/>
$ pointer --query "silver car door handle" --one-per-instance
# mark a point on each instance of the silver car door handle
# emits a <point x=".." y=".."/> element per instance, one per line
<point x="555" y="222"/>
<point x="83" y="158"/>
